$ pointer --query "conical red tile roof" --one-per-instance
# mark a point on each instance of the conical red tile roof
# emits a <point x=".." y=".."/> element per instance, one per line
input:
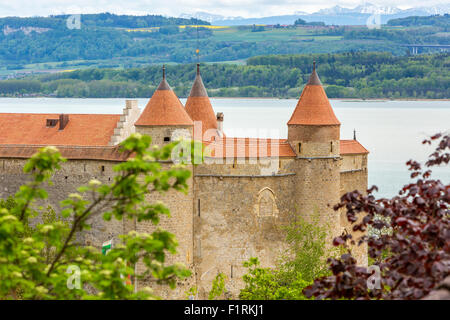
<point x="164" y="108"/>
<point x="313" y="107"/>
<point x="199" y="107"/>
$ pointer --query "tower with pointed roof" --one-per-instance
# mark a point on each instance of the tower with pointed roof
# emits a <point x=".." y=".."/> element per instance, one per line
<point x="164" y="119"/>
<point x="314" y="133"/>
<point x="313" y="129"/>
<point x="163" y="115"/>
<point x="200" y="110"/>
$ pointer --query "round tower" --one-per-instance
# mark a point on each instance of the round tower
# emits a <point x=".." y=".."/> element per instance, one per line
<point x="314" y="130"/>
<point x="314" y="133"/>
<point x="163" y="115"/>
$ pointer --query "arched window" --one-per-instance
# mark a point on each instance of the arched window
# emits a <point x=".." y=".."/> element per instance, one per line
<point x="266" y="206"/>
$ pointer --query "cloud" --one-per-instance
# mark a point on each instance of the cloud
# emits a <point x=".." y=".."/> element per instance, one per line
<point x="245" y="8"/>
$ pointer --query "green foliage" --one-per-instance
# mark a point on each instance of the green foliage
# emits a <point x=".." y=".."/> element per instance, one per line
<point x="307" y="250"/>
<point x="27" y="273"/>
<point x="99" y="20"/>
<point x="191" y="293"/>
<point x="218" y="286"/>
<point x="303" y="261"/>
<point x="301" y="22"/>
<point x="264" y="284"/>
<point x="434" y="20"/>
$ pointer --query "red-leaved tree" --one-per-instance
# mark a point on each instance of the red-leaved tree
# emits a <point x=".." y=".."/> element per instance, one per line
<point x="413" y="256"/>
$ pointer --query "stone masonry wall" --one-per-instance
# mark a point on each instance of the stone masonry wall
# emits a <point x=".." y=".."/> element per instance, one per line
<point x="72" y="175"/>
<point x="224" y="219"/>
<point x="354" y="177"/>
<point x="236" y="218"/>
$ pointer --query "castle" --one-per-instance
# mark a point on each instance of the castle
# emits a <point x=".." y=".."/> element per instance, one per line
<point x="238" y="198"/>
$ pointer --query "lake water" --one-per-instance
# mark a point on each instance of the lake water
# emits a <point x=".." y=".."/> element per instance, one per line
<point x="391" y="130"/>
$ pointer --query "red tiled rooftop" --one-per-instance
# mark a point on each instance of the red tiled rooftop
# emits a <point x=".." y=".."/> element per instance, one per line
<point x="81" y="130"/>
<point x="164" y="108"/>
<point x="198" y="105"/>
<point x="352" y="147"/>
<point x="200" y="109"/>
<point x="225" y="148"/>
<point x="261" y="148"/>
<point x="313" y="107"/>
<point x="249" y="148"/>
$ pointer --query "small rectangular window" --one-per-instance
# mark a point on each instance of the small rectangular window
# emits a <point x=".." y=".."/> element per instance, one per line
<point x="103" y="168"/>
<point x="52" y="122"/>
<point x="166" y="139"/>
<point x="198" y="207"/>
<point x="331" y="146"/>
<point x="299" y="148"/>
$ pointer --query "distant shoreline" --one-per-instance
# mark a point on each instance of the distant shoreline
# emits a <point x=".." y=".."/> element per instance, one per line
<point x="341" y="99"/>
<point x="248" y="98"/>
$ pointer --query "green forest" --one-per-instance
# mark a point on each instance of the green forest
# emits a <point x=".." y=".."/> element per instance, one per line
<point x="108" y="40"/>
<point x="345" y="75"/>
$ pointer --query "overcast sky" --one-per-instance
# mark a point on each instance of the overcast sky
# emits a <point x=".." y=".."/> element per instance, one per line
<point x="244" y="8"/>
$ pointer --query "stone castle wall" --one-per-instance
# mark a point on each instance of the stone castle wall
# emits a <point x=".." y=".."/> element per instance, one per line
<point x="232" y="211"/>
<point x="73" y="174"/>
<point x="238" y="214"/>
<point x="354" y="176"/>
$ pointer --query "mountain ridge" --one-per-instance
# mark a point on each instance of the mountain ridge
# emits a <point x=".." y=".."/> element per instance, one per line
<point x="334" y="15"/>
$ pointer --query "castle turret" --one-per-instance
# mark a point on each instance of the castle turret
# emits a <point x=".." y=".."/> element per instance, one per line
<point x="165" y="119"/>
<point x="314" y="132"/>
<point x="163" y="115"/>
<point x="199" y="108"/>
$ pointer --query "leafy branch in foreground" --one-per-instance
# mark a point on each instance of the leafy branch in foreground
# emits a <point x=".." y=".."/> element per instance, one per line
<point x="414" y="257"/>
<point x="23" y="267"/>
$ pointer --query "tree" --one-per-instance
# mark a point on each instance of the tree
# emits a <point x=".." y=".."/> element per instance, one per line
<point x="305" y="260"/>
<point x="264" y="284"/>
<point x="23" y="267"/>
<point x="414" y="257"/>
<point x="299" y="21"/>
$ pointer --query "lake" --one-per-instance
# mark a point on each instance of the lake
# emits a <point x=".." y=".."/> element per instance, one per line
<point x="391" y="130"/>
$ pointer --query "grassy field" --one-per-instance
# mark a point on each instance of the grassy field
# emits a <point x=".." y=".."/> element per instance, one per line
<point x="269" y="34"/>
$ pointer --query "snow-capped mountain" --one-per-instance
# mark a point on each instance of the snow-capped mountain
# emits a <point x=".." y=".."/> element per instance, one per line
<point x="441" y="9"/>
<point x="364" y="8"/>
<point x="210" y="17"/>
<point x="371" y="8"/>
<point x="336" y="15"/>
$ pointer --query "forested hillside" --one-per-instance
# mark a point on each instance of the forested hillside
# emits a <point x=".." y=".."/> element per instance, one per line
<point x="435" y="20"/>
<point x="345" y="75"/>
<point x="107" y="40"/>
<point x="99" y="20"/>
